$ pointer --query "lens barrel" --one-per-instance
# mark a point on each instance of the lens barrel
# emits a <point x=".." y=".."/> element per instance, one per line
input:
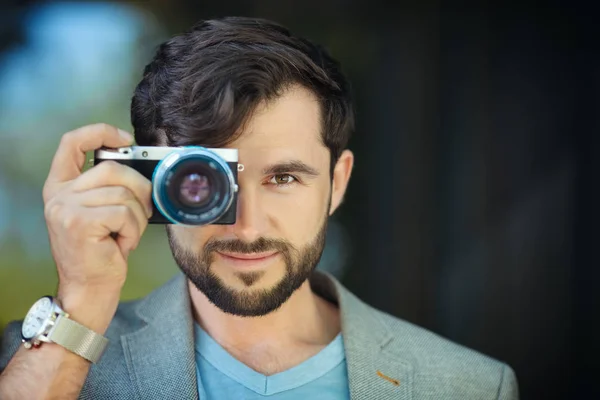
<point x="193" y="186"/>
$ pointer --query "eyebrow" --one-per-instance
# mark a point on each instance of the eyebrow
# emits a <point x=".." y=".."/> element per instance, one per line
<point x="292" y="166"/>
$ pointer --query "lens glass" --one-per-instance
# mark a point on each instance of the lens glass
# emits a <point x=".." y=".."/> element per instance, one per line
<point x="193" y="186"/>
<point x="194" y="189"/>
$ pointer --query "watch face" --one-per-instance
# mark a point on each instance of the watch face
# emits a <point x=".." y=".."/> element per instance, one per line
<point x="37" y="315"/>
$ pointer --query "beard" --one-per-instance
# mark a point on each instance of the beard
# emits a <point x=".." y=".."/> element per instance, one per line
<point x="299" y="265"/>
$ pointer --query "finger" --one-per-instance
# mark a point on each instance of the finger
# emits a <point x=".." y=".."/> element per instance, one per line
<point x="119" y="220"/>
<point x="111" y="173"/>
<point x="70" y="155"/>
<point x="113" y="196"/>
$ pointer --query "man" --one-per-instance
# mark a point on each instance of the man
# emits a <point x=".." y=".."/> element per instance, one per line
<point x="248" y="317"/>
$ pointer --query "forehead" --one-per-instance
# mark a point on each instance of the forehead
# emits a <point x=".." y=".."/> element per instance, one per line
<point x="289" y="126"/>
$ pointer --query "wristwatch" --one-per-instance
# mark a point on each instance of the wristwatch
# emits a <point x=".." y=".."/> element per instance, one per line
<point x="47" y="322"/>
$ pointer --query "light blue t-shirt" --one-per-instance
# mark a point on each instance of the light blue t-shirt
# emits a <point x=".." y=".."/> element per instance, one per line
<point x="220" y="376"/>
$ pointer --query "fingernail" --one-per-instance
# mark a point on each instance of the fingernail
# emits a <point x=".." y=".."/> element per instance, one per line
<point x="126" y="135"/>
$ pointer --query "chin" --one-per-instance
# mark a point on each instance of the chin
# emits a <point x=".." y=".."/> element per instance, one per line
<point x="252" y="280"/>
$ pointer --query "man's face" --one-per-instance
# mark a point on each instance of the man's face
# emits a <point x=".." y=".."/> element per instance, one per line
<point x="252" y="267"/>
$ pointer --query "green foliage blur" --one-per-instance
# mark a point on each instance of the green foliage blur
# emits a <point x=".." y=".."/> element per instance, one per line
<point x="79" y="67"/>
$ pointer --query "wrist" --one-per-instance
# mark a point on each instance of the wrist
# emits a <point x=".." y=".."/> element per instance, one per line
<point x="92" y="308"/>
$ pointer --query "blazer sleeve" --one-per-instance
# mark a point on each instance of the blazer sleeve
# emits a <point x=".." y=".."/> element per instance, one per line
<point x="9" y="343"/>
<point x="509" y="388"/>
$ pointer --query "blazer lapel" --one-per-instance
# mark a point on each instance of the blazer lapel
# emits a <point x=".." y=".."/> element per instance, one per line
<point x="161" y="360"/>
<point x="160" y="356"/>
<point x="373" y="372"/>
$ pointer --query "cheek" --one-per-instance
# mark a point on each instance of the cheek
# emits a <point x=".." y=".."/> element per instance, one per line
<point x="298" y="216"/>
<point x="192" y="239"/>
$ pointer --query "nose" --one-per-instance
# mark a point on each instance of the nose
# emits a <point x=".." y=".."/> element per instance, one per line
<point x="250" y="219"/>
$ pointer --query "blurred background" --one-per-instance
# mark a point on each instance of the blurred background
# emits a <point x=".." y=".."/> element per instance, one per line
<point x="470" y="210"/>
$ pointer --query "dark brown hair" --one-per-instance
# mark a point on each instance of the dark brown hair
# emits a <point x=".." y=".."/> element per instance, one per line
<point x="203" y="85"/>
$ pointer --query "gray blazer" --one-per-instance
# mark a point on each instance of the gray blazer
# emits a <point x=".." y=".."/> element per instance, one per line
<point x="151" y="353"/>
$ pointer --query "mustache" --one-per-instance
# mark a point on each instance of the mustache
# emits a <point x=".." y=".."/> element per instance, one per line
<point x="258" y="246"/>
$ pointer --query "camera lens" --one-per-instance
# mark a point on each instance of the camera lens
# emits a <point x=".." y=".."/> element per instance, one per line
<point x="194" y="189"/>
<point x="193" y="186"/>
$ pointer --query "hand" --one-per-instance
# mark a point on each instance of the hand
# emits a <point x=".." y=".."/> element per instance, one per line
<point x="96" y="218"/>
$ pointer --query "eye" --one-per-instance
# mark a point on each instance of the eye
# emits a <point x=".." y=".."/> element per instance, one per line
<point x="282" y="179"/>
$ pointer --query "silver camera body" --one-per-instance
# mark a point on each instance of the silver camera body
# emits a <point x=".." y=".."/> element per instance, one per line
<point x="191" y="185"/>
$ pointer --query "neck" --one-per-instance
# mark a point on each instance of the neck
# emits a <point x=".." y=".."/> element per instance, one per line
<point x="305" y="319"/>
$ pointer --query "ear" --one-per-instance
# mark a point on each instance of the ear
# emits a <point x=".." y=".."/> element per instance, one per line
<point x="341" y="176"/>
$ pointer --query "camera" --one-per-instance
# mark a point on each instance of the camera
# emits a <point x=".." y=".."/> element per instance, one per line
<point x="191" y="185"/>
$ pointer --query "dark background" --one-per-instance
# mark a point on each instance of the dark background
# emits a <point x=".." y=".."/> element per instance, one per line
<point x="472" y="206"/>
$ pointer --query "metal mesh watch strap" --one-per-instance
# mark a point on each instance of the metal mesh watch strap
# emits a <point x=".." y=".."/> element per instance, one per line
<point x="78" y="339"/>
